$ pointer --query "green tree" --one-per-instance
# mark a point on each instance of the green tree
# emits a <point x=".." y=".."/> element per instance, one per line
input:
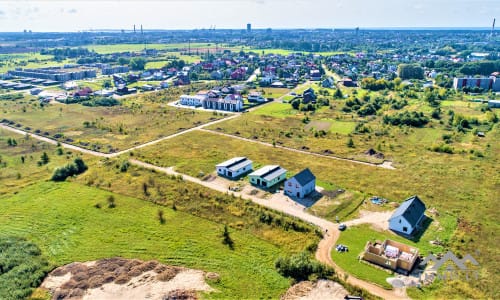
<point x="123" y="61"/>
<point x="138" y="63"/>
<point x="338" y="94"/>
<point x="410" y="71"/>
<point x="44" y="159"/>
<point x="226" y="238"/>
<point x="350" y="143"/>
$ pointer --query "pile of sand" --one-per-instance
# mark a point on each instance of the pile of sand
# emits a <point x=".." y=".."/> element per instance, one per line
<point x="322" y="289"/>
<point x="119" y="278"/>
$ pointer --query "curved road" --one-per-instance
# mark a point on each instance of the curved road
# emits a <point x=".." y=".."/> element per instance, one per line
<point x="325" y="246"/>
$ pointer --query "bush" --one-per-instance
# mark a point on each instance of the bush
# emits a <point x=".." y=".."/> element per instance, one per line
<point x="407" y="118"/>
<point x="22" y="267"/>
<point x="75" y="168"/>
<point x="442" y="148"/>
<point x="301" y="267"/>
<point x="101" y="102"/>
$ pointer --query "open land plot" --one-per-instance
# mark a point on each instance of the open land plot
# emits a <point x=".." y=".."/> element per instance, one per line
<point x="273" y="93"/>
<point x="281" y="124"/>
<point x="428" y="174"/>
<point x="355" y="238"/>
<point x="72" y="221"/>
<point x="62" y="220"/>
<point x="138" y="120"/>
<point x="19" y="161"/>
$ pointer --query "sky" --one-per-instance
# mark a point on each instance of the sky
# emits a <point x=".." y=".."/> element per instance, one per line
<point x="77" y="15"/>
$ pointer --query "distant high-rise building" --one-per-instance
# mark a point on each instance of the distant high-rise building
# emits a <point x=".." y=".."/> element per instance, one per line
<point x="249" y="27"/>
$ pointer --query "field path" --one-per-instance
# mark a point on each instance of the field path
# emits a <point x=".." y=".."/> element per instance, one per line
<point x="323" y="253"/>
<point x="100" y="154"/>
<point x="386" y="164"/>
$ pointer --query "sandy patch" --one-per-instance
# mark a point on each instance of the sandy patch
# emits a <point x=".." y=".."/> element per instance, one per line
<point x="322" y="289"/>
<point x="73" y="133"/>
<point x="377" y="219"/>
<point x="118" y="278"/>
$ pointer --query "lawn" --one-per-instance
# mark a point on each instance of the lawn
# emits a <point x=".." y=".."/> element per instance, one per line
<point x="469" y="197"/>
<point x="356" y="237"/>
<point x="62" y="220"/>
<point x="342" y="127"/>
<point x="276" y="109"/>
<point x="139" y="119"/>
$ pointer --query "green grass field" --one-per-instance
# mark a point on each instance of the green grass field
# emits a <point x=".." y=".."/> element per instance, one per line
<point x="16" y="174"/>
<point x="356" y="238"/>
<point x="62" y="220"/>
<point x="139" y="119"/>
<point x="419" y="171"/>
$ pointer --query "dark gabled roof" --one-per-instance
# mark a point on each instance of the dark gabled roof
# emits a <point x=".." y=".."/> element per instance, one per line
<point x="304" y="177"/>
<point x="412" y="209"/>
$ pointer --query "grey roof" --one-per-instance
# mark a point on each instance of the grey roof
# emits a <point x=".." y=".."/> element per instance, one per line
<point x="412" y="210"/>
<point x="236" y="166"/>
<point x="304" y="177"/>
<point x="231" y="162"/>
<point x="268" y="173"/>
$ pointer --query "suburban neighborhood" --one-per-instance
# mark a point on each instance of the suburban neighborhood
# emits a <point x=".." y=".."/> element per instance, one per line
<point x="248" y="159"/>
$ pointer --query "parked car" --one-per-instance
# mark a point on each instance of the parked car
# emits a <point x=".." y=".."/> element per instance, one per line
<point x="341" y="248"/>
<point x="342" y="227"/>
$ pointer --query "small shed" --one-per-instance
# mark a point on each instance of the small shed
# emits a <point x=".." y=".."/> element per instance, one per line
<point x="268" y="176"/>
<point x="234" y="167"/>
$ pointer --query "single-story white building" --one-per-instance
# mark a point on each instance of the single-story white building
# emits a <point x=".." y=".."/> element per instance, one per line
<point x="301" y="185"/>
<point x="408" y="216"/>
<point x="256" y="97"/>
<point x="268" y="176"/>
<point x="234" y="167"/>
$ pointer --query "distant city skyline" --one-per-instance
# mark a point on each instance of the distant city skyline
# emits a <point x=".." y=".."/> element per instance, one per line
<point x="78" y="15"/>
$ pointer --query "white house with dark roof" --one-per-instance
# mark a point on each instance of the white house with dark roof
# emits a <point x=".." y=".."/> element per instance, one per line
<point x="408" y="216"/>
<point x="301" y="185"/>
<point x="234" y="167"/>
<point x="268" y="176"/>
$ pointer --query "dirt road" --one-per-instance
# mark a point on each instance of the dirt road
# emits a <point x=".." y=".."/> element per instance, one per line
<point x="100" y="154"/>
<point x="325" y="246"/>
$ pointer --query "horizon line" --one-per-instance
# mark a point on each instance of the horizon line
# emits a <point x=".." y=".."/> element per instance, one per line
<point x="419" y="28"/>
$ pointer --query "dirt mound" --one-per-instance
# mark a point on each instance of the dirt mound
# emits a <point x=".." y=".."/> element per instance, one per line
<point x="372" y="152"/>
<point x="322" y="289"/>
<point x="119" y="278"/>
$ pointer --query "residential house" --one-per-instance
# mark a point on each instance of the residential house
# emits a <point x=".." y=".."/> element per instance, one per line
<point x="390" y="254"/>
<point x="309" y="96"/>
<point x="301" y="185"/>
<point x="256" y="97"/>
<point x="234" y="167"/>
<point x="328" y="83"/>
<point x="315" y="75"/>
<point x="85" y="92"/>
<point x="267" y="176"/>
<point x="494" y="103"/>
<point x="407" y="216"/>
<point x="193" y="100"/>
<point x="348" y="82"/>
<point x="231" y="102"/>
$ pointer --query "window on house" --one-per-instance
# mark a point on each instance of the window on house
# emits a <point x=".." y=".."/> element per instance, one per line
<point x="405" y="229"/>
<point x="289" y="184"/>
<point x="399" y="221"/>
